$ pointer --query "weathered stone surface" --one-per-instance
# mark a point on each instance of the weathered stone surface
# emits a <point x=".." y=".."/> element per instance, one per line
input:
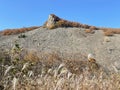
<point x="52" y="19"/>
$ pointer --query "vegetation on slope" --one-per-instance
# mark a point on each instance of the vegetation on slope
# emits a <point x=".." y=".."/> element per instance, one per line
<point x="23" y="69"/>
<point x="58" y="22"/>
<point x="18" y="31"/>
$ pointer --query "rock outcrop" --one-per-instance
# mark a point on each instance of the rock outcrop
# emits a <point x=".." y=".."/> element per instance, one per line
<point x="55" y="22"/>
<point x="52" y="19"/>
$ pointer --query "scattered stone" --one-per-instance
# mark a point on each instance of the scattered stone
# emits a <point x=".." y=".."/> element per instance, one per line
<point x="106" y="39"/>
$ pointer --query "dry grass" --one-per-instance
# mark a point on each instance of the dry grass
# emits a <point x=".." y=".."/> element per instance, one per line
<point x="17" y="31"/>
<point x="89" y="31"/>
<point x="110" y="31"/>
<point x="54" y="73"/>
<point x="65" y="23"/>
<point x="88" y="28"/>
<point x="59" y="22"/>
<point x="81" y="82"/>
<point x="93" y="28"/>
<point x="31" y="56"/>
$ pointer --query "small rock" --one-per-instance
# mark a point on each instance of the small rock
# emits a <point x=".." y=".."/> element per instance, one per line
<point x="106" y="39"/>
<point x="117" y="65"/>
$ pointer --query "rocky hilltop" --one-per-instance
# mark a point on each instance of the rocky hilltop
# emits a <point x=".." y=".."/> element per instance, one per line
<point x="55" y="22"/>
<point x="69" y="40"/>
<point x="60" y="55"/>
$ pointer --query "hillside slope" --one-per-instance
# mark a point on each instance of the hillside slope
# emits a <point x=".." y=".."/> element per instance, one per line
<point x="72" y="42"/>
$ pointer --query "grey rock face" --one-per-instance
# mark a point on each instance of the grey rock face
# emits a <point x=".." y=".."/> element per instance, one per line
<point x="52" y="19"/>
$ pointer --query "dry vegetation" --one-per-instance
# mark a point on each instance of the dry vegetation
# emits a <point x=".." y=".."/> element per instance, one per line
<point x="17" y="31"/>
<point x="89" y="31"/>
<point x="58" y="22"/>
<point x="65" y="23"/>
<point x="22" y="69"/>
<point x="110" y="31"/>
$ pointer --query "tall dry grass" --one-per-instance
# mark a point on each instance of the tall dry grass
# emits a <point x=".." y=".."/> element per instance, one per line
<point x="51" y="72"/>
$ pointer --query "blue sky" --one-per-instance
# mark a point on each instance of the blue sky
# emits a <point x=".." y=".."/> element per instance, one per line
<point x="25" y="13"/>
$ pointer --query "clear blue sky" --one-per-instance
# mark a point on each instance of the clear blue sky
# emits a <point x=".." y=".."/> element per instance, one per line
<point x="24" y="13"/>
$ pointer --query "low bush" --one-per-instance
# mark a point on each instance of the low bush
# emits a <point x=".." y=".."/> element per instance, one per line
<point x="22" y="36"/>
<point x="89" y="31"/>
<point x="108" y="33"/>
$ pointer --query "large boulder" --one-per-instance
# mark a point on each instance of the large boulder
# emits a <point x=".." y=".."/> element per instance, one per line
<point x="52" y="19"/>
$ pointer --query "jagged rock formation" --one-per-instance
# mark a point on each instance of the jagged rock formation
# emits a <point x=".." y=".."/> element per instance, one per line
<point x="52" y="19"/>
<point x="55" y="22"/>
